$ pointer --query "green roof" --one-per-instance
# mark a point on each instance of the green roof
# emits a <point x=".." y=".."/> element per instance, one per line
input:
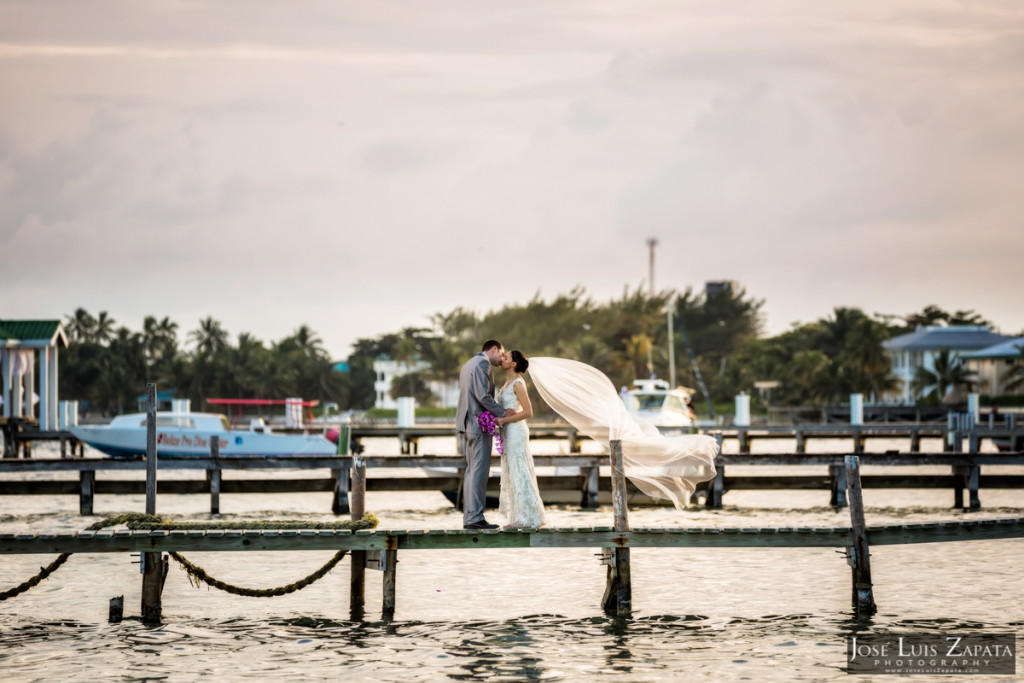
<point x="32" y="330"/>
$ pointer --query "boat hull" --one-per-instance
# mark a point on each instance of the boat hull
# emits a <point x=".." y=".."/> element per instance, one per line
<point x="131" y="443"/>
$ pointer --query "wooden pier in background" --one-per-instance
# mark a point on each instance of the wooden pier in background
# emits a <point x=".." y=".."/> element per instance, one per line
<point x="589" y="488"/>
<point x="1011" y="433"/>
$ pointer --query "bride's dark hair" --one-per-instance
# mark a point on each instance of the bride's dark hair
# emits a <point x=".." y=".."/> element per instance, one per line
<point x="519" y="360"/>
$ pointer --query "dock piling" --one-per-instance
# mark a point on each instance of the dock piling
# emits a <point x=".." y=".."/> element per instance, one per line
<point x="213" y="477"/>
<point x="618" y="593"/>
<point x="357" y="576"/>
<point x="860" y="552"/>
<point x="390" y="577"/>
<point x="87" y="485"/>
<point x="154" y="565"/>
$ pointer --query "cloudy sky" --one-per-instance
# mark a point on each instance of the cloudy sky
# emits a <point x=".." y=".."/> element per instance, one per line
<point x="359" y="166"/>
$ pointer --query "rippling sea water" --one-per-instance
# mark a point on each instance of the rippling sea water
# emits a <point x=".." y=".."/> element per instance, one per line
<point x="759" y="614"/>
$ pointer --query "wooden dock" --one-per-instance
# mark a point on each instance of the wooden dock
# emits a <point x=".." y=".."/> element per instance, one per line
<point x="382" y="547"/>
<point x="217" y="540"/>
<point x="385" y="545"/>
<point x="589" y="488"/>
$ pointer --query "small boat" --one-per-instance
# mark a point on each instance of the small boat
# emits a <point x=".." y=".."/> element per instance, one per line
<point x="189" y="435"/>
<point x="654" y="401"/>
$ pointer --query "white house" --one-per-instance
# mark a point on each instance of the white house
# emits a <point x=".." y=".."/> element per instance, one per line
<point x="919" y="348"/>
<point x="993" y="363"/>
<point x="386" y="369"/>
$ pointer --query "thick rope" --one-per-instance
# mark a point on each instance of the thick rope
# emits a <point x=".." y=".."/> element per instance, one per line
<point x="196" y="574"/>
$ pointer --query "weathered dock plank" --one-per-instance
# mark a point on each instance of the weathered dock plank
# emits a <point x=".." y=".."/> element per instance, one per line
<point x="128" y="541"/>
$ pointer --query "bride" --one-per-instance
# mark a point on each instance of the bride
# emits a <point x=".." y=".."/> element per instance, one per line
<point x="519" y="500"/>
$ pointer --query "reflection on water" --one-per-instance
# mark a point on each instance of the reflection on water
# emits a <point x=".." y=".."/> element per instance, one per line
<point x="533" y="647"/>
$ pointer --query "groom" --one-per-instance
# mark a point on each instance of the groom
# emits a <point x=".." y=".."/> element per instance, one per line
<point x="476" y="395"/>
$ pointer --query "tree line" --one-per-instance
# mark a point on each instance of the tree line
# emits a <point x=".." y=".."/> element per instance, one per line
<point x="718" y="336"/>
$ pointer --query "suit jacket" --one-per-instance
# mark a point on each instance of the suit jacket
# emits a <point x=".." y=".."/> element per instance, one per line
<point x="476" y="394"/>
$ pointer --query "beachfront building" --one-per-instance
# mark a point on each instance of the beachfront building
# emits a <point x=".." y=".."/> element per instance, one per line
<point x="994" y="363"/>
<point x="920" y="348"/>
<point x="387" y="370"/>
<point x="21" y="342"/>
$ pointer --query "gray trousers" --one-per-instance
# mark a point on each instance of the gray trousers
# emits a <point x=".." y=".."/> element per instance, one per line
<point x="476" y="446"/>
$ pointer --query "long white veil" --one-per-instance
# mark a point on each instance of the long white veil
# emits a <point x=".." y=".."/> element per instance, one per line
<point x="660" y="466"/>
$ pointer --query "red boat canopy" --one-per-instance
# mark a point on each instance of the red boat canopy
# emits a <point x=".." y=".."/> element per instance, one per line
<point x="260" y="402"/>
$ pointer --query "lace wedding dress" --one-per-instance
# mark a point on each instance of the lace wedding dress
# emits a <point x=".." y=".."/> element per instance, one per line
<point x="519" y="499"/>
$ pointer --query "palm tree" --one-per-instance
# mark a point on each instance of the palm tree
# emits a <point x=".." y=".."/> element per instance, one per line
<point x="104" y="329"/>
<point x="636" y="349"/>
<point x="949" y="372"/>
<point x="405" y="351"/>
<point x="81" y="326"/>
<point x="864" y="351"/>
<point x="445" y="361"/>
<point x="210" y="337"/>
<point x="307" y="341"/>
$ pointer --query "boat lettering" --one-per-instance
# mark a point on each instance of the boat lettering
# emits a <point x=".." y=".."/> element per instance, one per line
<point x="191" y="440"/>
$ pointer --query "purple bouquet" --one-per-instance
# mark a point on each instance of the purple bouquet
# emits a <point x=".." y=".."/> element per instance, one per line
<point x="489" y="426"/>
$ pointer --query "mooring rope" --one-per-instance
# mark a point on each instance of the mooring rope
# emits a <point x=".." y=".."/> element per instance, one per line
<point x="196" y="574"/>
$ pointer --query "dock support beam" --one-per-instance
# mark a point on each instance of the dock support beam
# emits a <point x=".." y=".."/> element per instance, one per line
<point x="837" y="478"/>
<point x="590" y="488"/>
<point x="618" y="593"/>
<point x="87" y="480"/>
<point x="390" y="579"/>
<point x="860" y="552"/>
<point x="213" y="477"/>
<point x="716" y="487"/>
<point x="357" y="577"/>
<point x="154" y="565"/>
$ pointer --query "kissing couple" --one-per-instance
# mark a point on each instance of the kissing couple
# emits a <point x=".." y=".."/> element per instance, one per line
<point x="519" y="501"/>
<point x="667" y="467"/>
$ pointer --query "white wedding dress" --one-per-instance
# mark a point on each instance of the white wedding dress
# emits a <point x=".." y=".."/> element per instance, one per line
<point x="519" y="499"/>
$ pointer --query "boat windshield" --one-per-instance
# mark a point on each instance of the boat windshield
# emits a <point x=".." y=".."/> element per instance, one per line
<point x="674" y="403"/>
<point x="650" y="401"/>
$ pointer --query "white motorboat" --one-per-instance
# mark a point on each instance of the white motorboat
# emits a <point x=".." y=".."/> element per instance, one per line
<point x="186" y="435"/>
<point x="654" y="401"/>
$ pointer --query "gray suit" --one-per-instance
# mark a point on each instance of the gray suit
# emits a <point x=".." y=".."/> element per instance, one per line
<point x="476" y="395"/>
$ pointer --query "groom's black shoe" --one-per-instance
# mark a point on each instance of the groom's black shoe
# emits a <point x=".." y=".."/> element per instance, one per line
<point x="482" y="524"/>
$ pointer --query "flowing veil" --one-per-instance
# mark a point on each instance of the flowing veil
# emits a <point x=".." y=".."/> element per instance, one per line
<point x="660" y="466"/>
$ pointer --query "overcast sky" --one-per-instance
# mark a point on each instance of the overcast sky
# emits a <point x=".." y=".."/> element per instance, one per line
<point x="359" y="166"/>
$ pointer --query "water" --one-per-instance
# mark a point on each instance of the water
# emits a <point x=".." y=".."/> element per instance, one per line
<point x="761" y="614"/>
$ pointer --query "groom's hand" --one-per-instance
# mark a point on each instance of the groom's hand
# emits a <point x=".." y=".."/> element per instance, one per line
<point x="509" y="412"/>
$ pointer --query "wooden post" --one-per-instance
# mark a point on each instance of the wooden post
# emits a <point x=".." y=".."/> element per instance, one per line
<point x="837" y="477"/>
<point x="357" y="577"/>
<point x="717" y="488"/>
<point x="590" y="489"/>
<point x="801" y="441"/>
<point x="87" y="479"/>
<point x="154" y="566"/>
<point x="859" y="552"/>
<point x="618" y="593"/>
<point x="959" y="473"/>
<point x="390" y="578"/>
<point x="116" y="612"/>
<point x="213" y="477"/>
<point x="974" y="471"/>
<point x="339" y="505"/>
